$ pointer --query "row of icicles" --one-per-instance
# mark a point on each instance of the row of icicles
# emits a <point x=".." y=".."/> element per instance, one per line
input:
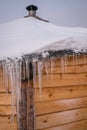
<point x="16" y="70"/>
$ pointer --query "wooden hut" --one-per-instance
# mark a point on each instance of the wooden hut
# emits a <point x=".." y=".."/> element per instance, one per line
<point x="45" y="89"/>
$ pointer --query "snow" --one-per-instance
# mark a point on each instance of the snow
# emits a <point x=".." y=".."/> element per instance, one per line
<point x="27" y="35"/>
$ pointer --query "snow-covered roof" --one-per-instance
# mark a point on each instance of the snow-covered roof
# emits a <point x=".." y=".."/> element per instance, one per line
<point x="28" y="35"/>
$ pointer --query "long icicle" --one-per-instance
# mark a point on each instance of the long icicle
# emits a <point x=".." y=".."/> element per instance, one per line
<point x="12" y="77"/>
<point x="40" y="67"/>
<point x="5" y="74"/>
<point x="62" y="65"/>
<point x="18" y="65"/>
<point x="27" y="70"/>
<point x="52" y="67"/>
<point x="65" y="63"/>
<point x="46" y="68"/>
<point x="34" y="74"/>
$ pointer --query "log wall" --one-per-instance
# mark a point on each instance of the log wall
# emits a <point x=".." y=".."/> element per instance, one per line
<point x="5" y="107"/>
<point x="62" y="104"/>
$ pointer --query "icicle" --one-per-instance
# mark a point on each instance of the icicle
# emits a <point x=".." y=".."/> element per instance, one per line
<point x="73" y="59"/>
<point x="81" y="59"/>
<point x="58" y="64"/>
<point x="12" y="71"/>
<point x="34" y="73"/>
<point x="5" y="75"/>
<point x="18" y="77"/>
<point x="76" y="59"/>
<point x="65" y="63"/>
<point x="18" y="65"/>
<point x="52" y="67"/>
<point x="27" y="70"/>
<point x="84" y="59"/>
<point x="24" y="70"/>
<point x="40" y="67"/>
<point x="13" y="91"/>
<point x="46" y="68"/>
<point x="62" y="65"/>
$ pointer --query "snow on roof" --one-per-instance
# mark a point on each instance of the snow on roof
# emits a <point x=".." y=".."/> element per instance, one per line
<point x="27" y="35"/>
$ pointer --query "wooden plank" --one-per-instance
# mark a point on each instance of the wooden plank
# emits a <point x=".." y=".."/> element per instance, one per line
<point x="68" y="69"/>
<point x="6" y="110"/>
<point x="3" y="88"/>
<point x="5" y="99"/>
<point x="65" y="76"/>
<point x="4" y="82"/>
<point x="70" y="60"/>
<point x="59" y="80"/>
<point x="6" y="124"/>
<point x="61" y="118"/>
<point x="60" y="105"/>
<point x="62" y="80"/>
<point x="79" y="125"/>
<point x="49" y="94"/>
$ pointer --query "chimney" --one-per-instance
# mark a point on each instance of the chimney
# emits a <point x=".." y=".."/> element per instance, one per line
<point x="32" y="10"/>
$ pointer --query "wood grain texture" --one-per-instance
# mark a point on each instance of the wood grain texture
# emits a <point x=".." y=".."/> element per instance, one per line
<point x="4" y="82"/>
<point x="6" y="124"/>
<point x="70" y="60"/>
<point x="68" y="70"/>
<point x="79" y="125"/>
<point x="63" y="102"/>
<point x="5" y="99"/>
<point x="50" y="94"/>
<point x="6" y="110"/>
<point x="60" y="105"/>
<point x="58" y="80"/>
<point x="61" y="118"/>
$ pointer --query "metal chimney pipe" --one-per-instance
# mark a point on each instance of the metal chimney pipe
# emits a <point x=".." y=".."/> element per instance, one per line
<point x="32" y="10"/>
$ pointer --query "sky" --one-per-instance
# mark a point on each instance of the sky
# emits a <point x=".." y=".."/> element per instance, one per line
<point x="70" y="13"/>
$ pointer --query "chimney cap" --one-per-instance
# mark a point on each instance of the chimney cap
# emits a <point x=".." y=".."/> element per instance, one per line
<point x="31" y="7"/>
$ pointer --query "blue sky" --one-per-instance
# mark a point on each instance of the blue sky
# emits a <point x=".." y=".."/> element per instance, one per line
<point x="60" y="12"/>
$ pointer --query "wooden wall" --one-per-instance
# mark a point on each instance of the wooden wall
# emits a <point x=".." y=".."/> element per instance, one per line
<point x="62" y="105"/>
<point x="5" y="107"/>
